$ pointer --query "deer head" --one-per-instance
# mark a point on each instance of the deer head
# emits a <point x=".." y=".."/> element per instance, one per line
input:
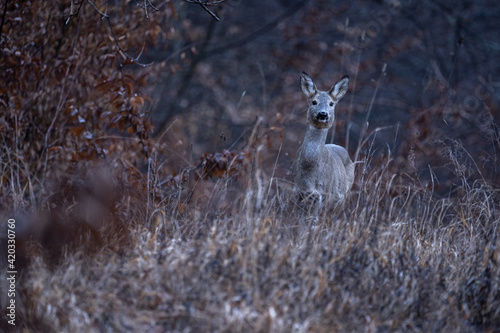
<point x="322" y="103"/>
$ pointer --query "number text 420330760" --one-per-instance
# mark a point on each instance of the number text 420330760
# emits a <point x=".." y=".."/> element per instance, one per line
<point x="11" y="271"/>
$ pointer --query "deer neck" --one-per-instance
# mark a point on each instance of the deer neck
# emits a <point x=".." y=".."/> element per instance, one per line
<point x="313" y="145"/>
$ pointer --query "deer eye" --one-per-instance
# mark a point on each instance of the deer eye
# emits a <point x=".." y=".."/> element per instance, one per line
<point x="331" y="103"/>
<point x="314" y="102"/>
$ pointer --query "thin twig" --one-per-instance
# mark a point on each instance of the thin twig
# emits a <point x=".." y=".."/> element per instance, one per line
<point x="72" y="14"/>
<point x="97" y="9"/>
<point x="147" y="3"/>
<point x="3" y="17"/>
<point x="204" y="5"/>
<point x="292" y="9"/>
<point x="129" y="60"/>
<point x="66" y="87"/>
<point x="368" y="112"/>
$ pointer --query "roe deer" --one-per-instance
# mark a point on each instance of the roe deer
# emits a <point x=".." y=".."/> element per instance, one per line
<point x="323" y="173"/>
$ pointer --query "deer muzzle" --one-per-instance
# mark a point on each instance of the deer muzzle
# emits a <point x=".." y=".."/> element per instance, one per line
<point x="322" y="116"/>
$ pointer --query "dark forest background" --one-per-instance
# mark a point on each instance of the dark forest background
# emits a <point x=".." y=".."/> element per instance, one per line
<point x="86" y="81"/>
<point x="422" y="79"/>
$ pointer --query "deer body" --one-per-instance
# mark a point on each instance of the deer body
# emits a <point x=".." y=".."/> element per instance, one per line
<point x="323" y="172"/>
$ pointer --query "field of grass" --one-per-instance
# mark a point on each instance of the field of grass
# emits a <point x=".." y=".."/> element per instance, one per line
<point x="393" y="258"/>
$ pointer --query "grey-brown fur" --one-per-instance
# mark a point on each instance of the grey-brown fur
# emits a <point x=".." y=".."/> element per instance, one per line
<point x="323" y="173"/>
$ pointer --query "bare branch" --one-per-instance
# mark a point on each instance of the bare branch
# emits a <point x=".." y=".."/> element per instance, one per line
<point x="97" y="9"/>
<point x="71" y="13"/>
<point x="127" y="59"/>
<point x="147" y="3"/>
<point x="292" y="9"/>
<point x="205" y="4"/>
<point x="3" y="16"/>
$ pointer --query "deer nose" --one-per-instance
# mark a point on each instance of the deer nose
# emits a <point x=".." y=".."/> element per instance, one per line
<point x="322" y="116"/>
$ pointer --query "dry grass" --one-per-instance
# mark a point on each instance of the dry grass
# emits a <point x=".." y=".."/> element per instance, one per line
<point x="394" y="258"/>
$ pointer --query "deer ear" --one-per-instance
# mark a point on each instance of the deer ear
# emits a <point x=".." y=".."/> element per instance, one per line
<point x="307" y="85"/>
<point x="340" y="88"/>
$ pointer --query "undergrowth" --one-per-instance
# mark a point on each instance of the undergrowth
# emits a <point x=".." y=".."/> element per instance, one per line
<point x="393" y="258"/>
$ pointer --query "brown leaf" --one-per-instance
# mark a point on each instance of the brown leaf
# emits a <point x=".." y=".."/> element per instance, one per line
<point x="77" y="130"/>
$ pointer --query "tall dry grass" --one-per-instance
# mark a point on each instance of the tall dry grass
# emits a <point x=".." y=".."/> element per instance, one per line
<point x="394" y="258"/>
